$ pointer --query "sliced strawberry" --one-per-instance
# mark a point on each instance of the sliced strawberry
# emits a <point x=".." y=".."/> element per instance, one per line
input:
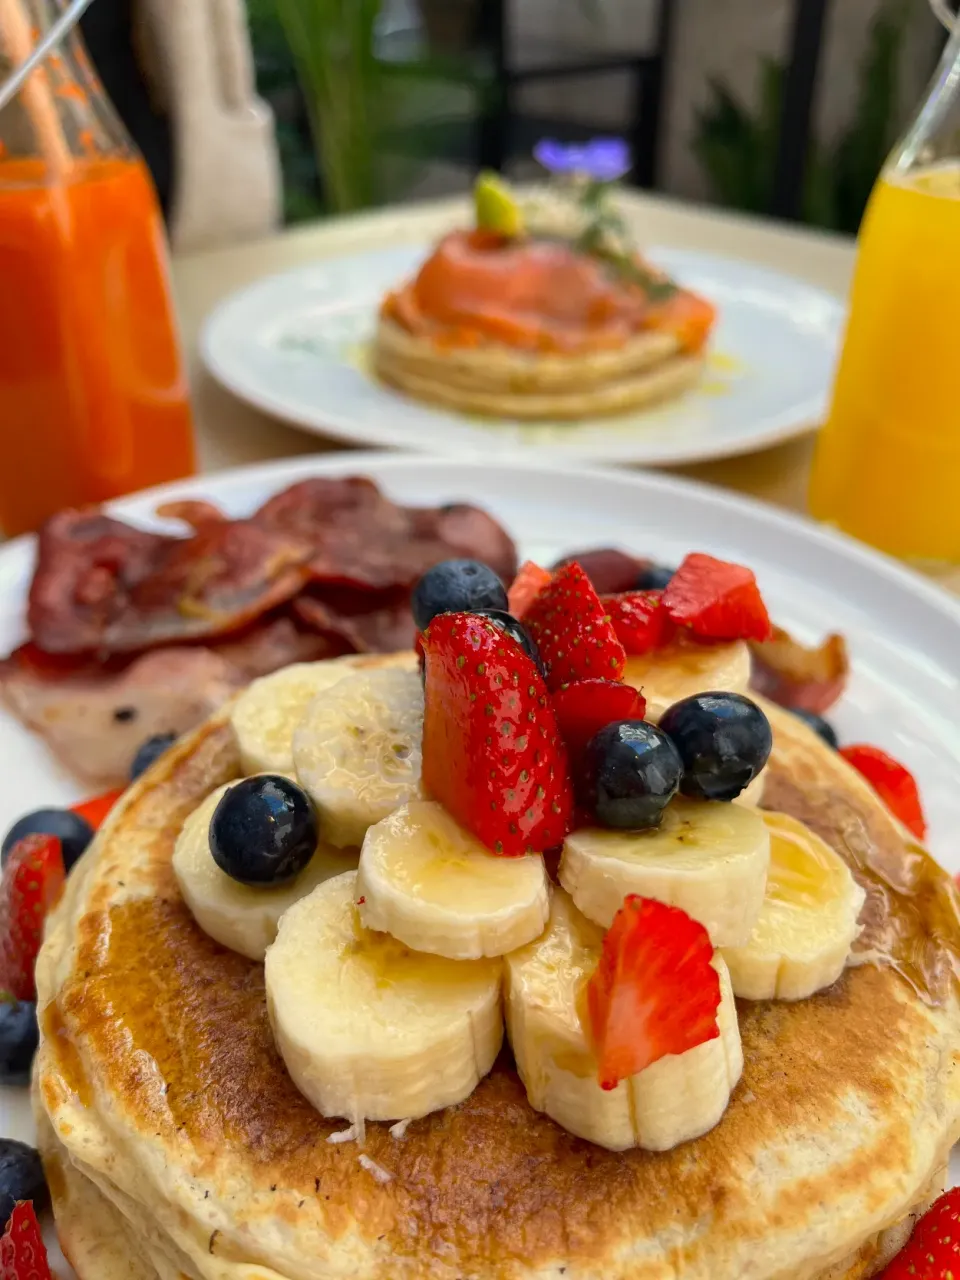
<point x="492" y="753"/>
<point x="95" y="810"/>
<point x="32" y="882"/>
<point x="893" y="783"/>
<point x="526" y="586"/>
<point x="717" y="600"/>
<point x="654" y="990"/>
<point x="584" y="707"/>
<point x="641" y="622"/>
<point x="573" y="630"/>
<point x="933" y="1250"/>
<point x="23" y="1255"/>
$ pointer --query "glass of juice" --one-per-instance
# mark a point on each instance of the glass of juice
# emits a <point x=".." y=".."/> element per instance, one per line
<point x="887" y="466"/>
<point x="93" y="393"/>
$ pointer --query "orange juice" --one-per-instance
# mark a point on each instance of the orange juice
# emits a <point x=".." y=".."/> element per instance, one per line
<point x="887" y="468"/>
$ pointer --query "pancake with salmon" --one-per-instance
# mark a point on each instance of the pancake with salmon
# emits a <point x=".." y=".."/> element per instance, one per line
<point x="167" y="1113"/>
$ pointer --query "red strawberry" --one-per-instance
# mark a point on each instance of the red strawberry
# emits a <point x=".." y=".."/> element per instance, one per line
<point x="893" y="783"/>
<point x="94" y="811"/>
<point x="717" y="600"/>
<point x="584" y="707"/>
<point x="492" y="753"/>
<point x="32" y="881"/>
<point x="933" y="1251"/>
<point x="22" y="1252"/>
<point x="526" y="586"/>
<point x="573" y="631"/>
<point x="654" y="990"/>
<point x="640" y="620"/>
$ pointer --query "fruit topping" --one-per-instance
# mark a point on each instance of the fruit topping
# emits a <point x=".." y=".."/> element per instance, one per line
<point x="96" y="809"/>
<point x="516" y="630"/>
<point x="497" y="208"/>
<point x="585" y="707"/>
<point x="23" y="1255"/>
<point x="72" y="831"/>
<point x="33" y="877"/>
<point x="19" y="1036"/>
<point x="653" y="577"/>
<point x="456" y="586"/>
<point x="641" y="622"/>
<point x="573" y="631"/>
<point x="893" y="783"/>
<point x="933" y="1250"/>
<point x="819" y="726"/>
<point x="21" y="1177"/>
<point x="631" y="772"/>
<point x="150" y="751"/>
<point x="724" y="740"/>
<point x="263" y="831"/>
<point x="492" y="752"/>
<point x="526" y="586"/>
<point x="802" y="679"/>
<point x="717" y="600"/>
<point x="607" y="568"/>
<point x="654" y="992"/>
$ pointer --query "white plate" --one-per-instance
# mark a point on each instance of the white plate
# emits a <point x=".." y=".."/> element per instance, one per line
<point x="903" y="633"/>
<point x="295" y="345"/>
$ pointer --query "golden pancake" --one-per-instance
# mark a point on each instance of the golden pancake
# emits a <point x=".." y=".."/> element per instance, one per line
<point x="161" y="1094"/>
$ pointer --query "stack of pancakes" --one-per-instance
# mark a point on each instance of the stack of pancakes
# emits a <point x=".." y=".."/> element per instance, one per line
<point x="177" y="1146"/>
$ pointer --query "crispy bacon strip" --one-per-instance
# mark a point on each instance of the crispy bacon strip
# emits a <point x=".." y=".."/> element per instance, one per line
<point x="787" y="672"/>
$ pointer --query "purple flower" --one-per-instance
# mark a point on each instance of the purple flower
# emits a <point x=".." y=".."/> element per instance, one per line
<point x="602" y="159"/>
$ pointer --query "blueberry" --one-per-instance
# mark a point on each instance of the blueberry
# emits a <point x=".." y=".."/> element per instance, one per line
<point x="632" y="772"/>
<point x="819" y="725"/>
<point x="19" y="1035"/>
<point x="653" y="578"/>
<point x="723" y="739"/>
<point x="456" y="586"/>
<point x="150" y="751"/>
<point x="515" y="630"/>
<point x="21" y="1178"/>
<point x="73" y="832"/>
<point x="263" y="831"/>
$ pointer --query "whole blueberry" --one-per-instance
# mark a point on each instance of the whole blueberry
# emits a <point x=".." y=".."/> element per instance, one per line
<point x="150" y="751"/>
<point x="823" y="727"/>
<point x="263" y="831"/>
<point x="19" y="1036"/>
<point x="515" y="630"/>
<point x="21" y="1178"/>
<point x="73" y="832"/>
<point x="653" y="578"/>
<point x="456" y="586"/>
<point x="724" y="740"/>
<point x="632" y="771"/>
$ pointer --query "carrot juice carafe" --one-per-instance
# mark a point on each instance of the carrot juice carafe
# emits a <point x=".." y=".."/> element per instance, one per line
<point x="887" y="467"/>
<point x="93" y="392"/>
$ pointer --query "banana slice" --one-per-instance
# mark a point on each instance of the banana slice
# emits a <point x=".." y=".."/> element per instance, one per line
<point x="357" y="750"/>
<point x="807" y="922"/>
<point x="368" y="1029"/>
<point x="431" y="884"/>
<point x="267" y="712"/>
<point x="684" y="668"/>
<point x="678" y="1098"/>
<point x="752" y="795"/>
<point x="235" y="915"/>
<point x="707" y="857"/>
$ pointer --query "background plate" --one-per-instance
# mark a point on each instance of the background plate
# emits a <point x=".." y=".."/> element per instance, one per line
<point x="295" y="345"/>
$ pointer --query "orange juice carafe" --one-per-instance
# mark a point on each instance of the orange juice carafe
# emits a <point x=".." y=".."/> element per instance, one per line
<point x="887" y="466"/>
<point x="93" y="392"/>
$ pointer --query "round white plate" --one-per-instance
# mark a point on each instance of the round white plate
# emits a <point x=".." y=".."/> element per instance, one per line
<point x="296" y="345"/>
<point x="903" y="633"/>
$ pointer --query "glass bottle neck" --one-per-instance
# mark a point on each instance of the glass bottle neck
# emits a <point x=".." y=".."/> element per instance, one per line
<point x="934" y="135"/>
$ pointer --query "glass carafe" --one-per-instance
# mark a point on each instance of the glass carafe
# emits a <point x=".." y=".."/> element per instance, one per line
<point x="93" y="393"/>
<point x="887" y="466"/>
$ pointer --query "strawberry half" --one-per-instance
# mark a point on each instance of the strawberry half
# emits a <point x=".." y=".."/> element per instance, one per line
<point x="32" y="882"/>
<point x="584" y="707"/>
<point x="641" y="622"/>
<point x="654" y="991"/>
<point x="492" y="753"/>
<point x="23" y="1255"/>
<point x="573" y="631"/>
<point x="95" y="810"/>
<point x="933" y="1250"/>
<point x="526" y="586"/>
<point x="717" y="600"/>
<point x="893" y="783"/>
